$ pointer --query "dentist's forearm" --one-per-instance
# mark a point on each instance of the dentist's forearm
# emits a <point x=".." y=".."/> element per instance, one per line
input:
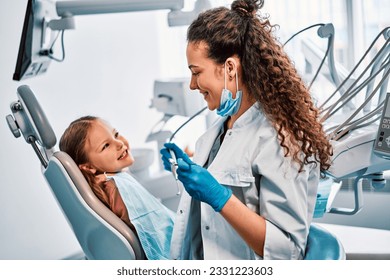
<point x="248" y="224"/>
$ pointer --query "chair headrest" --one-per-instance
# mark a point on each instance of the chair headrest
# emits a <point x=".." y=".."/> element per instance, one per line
<point x="29" y="119"/>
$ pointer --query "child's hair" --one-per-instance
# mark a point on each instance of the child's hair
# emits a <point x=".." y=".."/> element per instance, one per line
<point x="73" y="142"/>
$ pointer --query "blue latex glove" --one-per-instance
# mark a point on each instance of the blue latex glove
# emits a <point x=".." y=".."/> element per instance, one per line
<point x="165" y="154"/>
<point x="201" y="185"/>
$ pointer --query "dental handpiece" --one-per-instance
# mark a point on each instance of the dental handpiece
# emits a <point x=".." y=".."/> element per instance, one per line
<point x="173" y="163"/>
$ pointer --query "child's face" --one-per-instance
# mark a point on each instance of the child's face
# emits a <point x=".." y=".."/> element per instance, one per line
<point x="107" y="150"/>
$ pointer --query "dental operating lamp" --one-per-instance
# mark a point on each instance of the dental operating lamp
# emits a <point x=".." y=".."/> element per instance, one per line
<point x="43" y="18"/>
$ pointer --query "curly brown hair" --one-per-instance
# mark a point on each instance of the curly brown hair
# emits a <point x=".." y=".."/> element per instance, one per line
<point x="269" y="74"/>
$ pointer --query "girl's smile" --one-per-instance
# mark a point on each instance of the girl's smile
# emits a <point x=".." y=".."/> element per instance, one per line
<point x="106" y="149"/>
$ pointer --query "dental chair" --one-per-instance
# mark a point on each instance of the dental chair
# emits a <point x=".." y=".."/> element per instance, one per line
<point x="323" y="245"/>
<point x="100" y="233"/>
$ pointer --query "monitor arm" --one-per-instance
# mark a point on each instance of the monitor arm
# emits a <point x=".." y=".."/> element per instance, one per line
<point x="176" y="16"/>
<point x="66" y="8"/>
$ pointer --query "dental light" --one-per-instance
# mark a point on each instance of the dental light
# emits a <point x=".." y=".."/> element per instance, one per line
<point x="45" y="19"/>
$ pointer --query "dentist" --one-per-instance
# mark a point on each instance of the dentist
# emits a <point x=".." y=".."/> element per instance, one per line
<point x="251" y="186"/>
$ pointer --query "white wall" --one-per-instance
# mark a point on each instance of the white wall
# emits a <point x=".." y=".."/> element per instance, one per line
<point x="111" y="63"/>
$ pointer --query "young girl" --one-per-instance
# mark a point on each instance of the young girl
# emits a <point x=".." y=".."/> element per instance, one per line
<point x="103" y="155"/>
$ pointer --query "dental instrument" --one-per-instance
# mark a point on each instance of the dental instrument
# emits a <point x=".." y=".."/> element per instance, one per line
<point x="173" y="160"/>
<point x="324" y="31"/>
<point x="172" y="98"/>
<point x="330" y="110"/>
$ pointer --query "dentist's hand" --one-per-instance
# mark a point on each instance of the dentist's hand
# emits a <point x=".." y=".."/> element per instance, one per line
<point x="201" y="185"/>
<point x="165" y="154"/>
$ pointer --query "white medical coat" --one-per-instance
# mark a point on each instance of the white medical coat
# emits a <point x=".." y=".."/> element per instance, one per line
<point x="251" y="162"/>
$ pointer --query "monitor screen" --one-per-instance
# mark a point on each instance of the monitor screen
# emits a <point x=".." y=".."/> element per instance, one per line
<point x="29" y="61"/>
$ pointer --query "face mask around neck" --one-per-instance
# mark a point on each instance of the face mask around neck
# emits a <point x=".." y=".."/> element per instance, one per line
<point x="229" y="105"/>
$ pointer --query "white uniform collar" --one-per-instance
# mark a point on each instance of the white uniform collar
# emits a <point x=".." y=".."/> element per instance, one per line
<point x="248" y="116"/>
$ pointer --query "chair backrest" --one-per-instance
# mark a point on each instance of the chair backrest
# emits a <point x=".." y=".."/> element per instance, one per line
<point x="100" y="233"/>
<point x="323" y="245"/>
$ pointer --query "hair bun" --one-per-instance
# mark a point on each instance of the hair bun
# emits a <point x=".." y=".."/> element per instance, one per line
<point x="247" y="8"/>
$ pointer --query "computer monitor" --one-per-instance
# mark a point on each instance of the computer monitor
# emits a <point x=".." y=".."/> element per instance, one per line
<point x="174" y="97"/>
<point x="35" y="39"/>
